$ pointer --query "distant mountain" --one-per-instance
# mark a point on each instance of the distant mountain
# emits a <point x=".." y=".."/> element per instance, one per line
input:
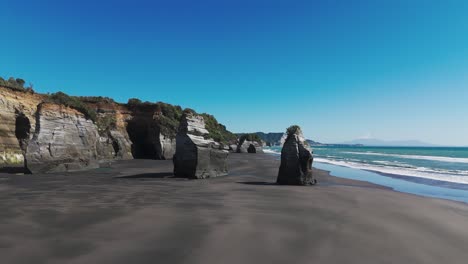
<point x="272" y="139"/>
<point x="385" y="143"/>
<point x="314" y="143"/>
<point x="277" y="139"/>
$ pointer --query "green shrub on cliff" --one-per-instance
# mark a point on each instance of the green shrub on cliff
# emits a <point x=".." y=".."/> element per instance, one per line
<point x="169" y="118"/>
<point x="137" y="105"/>
<point x="217" y="131"/>
<point x="105" y="123"/>
<point x="15" y="84"/>
<point x="134" y="102"/>
<point x="73" y="102"/>
<point x="95" y="99"/>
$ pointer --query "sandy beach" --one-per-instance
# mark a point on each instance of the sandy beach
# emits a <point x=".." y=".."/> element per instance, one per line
<point x="136" y="212"/>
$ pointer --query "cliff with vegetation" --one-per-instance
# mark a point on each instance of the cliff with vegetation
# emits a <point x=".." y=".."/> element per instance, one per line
<point x="58" y="132"/>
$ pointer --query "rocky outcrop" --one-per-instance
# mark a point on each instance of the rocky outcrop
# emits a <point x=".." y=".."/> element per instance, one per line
<point x="64" y="140"/>
<point x="17" y="124"/>
<point x="45" y="137"/>
<point x="283" y="139"/>
<point x="149" y="142"/>
<point x="233" y="148"/>
<point x="57" y="132"/>
<point x="198" y="157"/>
<point x="113" y="145"/>
<point x="247" y="146"/>
<point x="296" y="160"/>
<point x="114" y="142"/>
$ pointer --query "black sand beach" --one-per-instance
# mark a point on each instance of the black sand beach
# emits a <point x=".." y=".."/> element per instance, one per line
<point x="136" y="212"/>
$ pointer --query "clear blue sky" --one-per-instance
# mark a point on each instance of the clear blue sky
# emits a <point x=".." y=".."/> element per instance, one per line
<point x="340" y="69"/>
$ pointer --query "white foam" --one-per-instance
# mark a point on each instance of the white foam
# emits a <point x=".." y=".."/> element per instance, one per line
<point x="418" y="157"/>
<point x="271" y="151"/>
<point x="448" y="176"/>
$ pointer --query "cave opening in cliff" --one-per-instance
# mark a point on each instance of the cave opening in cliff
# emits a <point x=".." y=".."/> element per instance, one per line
<point x="116" y="147"/>
<point x="22" y="130"/>
<point x="138" y="131"/>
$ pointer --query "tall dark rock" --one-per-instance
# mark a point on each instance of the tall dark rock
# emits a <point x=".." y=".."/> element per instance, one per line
<point x="296" y="160"/>
<point x="197" y="157"/>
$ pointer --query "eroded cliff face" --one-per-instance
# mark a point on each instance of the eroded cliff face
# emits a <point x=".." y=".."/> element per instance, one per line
<point x="146" y="133"/>
<point x="64" y="140"/>
<point x="198" y="156"/>
<point x="17" y="124"/>
<point x="39" y="136"/>
<point x="114" y="142"/>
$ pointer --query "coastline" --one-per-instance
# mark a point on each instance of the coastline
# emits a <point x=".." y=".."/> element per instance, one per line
<point x="135" y="211"/>
<point x="400" y="183"/>
<point x="422" y="186"/>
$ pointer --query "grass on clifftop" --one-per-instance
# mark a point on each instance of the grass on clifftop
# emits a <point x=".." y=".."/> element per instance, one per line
<point x="73" y="102"/>
<point x="217" y="131"/>
<point x="169" y="119"/>
<point x="16" y="84"/>
<point x="167" y="116"/>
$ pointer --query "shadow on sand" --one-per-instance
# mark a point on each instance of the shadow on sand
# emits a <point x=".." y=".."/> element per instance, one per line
<point x="258" y="183"/>
<point x="158" y="175"/>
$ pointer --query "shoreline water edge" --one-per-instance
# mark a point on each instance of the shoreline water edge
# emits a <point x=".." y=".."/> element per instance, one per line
<point x="418" y="185"/>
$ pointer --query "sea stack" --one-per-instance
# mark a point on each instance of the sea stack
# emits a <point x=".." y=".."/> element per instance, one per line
<point x="296" y="160"/>
<point x="197" y="156"/>
<point x="250" y="143"/>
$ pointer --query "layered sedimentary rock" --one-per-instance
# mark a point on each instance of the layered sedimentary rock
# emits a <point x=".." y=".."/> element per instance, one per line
<point x="149" y="142"/>
<point x="198" y="157"/>
<point x="57" y="132"/>
<point x="45" y="137"/>
<point x="64" y="140"/>
<point x="17" y="123"/>
<point x="114" y="142"/>
<point x="113" y="145"/>
<point x="296" y="160"/>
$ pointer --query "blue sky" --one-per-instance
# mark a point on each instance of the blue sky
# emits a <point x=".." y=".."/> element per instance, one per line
<point x="341" y="69"/>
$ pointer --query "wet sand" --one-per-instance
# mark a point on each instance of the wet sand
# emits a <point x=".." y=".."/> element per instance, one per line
<point x="135" y="212"/>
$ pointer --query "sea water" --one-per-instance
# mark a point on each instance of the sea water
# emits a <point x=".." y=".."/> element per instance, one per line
<point x="440" y="172"/>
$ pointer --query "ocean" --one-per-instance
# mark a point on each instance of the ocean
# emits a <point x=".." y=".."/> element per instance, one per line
<point x="431" y="171"/>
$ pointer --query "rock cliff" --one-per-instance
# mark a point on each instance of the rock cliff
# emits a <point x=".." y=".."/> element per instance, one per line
<point x="64" y="140"/>
<point x="152" y="129"/>
<point x="57" y="132"/>
<point x="250" y="143"/>
<point x="17" y="124"/>
<point x="111" y="121"/>
<point x="198" y="156"/>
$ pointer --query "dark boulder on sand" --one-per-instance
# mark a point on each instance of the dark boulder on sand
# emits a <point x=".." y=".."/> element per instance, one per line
<point x="296" y="160"/>
<point x="197" y="156"/>
<point x="251" y="149"/>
